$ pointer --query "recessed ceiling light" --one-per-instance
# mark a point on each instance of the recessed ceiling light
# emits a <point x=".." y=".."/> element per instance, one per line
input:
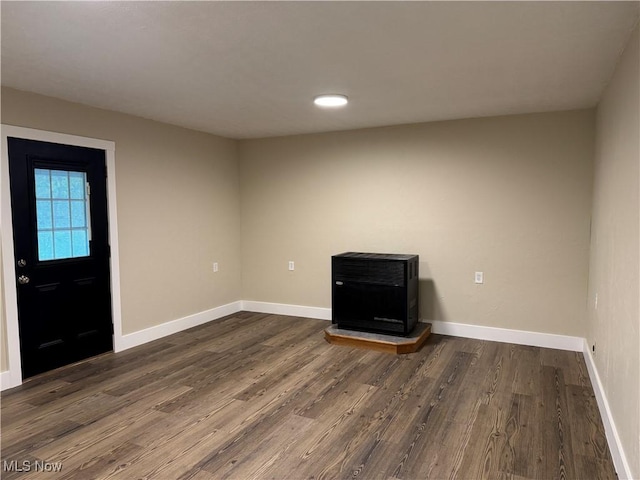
<point x="331" y="100"/>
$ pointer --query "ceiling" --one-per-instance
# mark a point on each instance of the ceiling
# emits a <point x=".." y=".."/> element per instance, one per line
<point x="251" y="69"/>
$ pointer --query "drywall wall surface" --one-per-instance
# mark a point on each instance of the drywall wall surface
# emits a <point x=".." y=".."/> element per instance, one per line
<point x="4" y="357"/>
<point x="178" y="206"/>
<point x="509" y="196"/>
<point x="614" y="323"/>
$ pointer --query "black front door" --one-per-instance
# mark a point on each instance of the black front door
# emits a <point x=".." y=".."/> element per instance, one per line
<point x="60" y="232"/>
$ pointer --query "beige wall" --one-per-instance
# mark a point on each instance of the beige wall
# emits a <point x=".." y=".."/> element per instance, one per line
<point x="4" y="359"/>
<point x="614" y="326"/>
<point x="178" y="207"/>
<point x="510" y="196"/>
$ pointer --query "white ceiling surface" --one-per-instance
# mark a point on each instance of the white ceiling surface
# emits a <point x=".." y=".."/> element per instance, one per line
<point x="251" y="69"/>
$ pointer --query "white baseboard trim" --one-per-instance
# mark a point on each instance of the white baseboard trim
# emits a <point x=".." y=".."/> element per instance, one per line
<point x="506" y="335"/>
<point x="613" y="439"/>
<point x="7" y="380"/>
<point x="520" y="337"/>
<point x="153" y="333"/>
<point x="284" y="309"/>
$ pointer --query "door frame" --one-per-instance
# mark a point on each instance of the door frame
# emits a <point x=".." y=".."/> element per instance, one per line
<point x="13" y="376"/>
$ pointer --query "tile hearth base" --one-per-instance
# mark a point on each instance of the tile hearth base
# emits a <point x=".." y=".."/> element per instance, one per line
<point x="378" y="341"/>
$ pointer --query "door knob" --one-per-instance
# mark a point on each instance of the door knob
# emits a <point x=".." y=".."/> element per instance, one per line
<point x="23" y="279"/>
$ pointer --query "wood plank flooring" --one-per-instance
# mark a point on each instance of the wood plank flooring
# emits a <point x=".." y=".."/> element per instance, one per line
<point x="265" y="397"/>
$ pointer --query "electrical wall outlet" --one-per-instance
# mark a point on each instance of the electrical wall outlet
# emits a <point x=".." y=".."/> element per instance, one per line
<point x="479" y="277"/>
<point x="215" y="266"/>
<point x="292" y="266"/>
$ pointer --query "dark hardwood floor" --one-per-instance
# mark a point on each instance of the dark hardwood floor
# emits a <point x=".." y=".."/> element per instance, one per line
<point x="264" y="396"/>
